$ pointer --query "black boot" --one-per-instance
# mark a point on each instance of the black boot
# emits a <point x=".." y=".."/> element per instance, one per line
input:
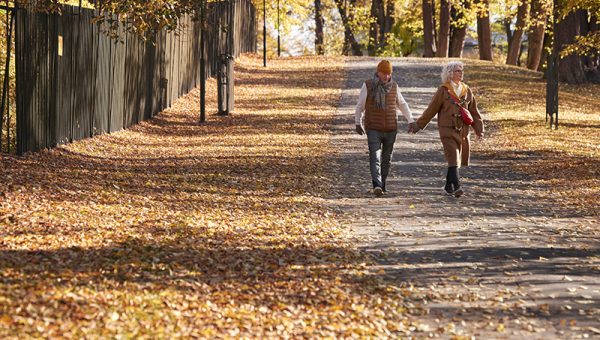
<point x="450" y="175"/>
<point x="452" y="182"/>
<point x="456" y="183"/>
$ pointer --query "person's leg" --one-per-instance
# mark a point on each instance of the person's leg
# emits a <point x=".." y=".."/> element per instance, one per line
<point x="374" y="139"/>
<point x="451" y="142"/>
<point x="450" y="175"/>
<point x="455" y="181"/>
<point x="389" y="138"/>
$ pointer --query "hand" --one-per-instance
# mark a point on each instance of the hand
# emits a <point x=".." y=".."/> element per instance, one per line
<point x="413" y="128"/>
<point x="359" y="130"/>
<point x="479" y="135"/>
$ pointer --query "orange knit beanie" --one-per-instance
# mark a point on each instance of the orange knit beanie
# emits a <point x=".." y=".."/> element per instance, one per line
<point x="384" y="67"/>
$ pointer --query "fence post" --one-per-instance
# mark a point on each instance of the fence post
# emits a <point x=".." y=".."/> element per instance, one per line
<point x="6" y="82"/>
<point x="202" y="62"/>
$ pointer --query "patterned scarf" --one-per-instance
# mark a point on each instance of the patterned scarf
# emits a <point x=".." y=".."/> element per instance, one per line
<point x="380" y="90"/>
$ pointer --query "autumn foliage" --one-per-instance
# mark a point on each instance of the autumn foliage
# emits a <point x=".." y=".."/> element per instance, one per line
<point x="173" y="228"/>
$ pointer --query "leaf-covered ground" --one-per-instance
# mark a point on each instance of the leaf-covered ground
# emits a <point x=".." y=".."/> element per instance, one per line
<point x="507" y="260"/>
<point x="226" y="229"/>
<point x="567" y="159"/>
<point x="173" y="228"/>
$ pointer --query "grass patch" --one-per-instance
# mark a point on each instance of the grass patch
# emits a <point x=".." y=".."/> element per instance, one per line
<point x="567" y="158"/>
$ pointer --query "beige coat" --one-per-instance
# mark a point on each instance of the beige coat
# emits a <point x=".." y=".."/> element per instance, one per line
<point x="453" y="133"/>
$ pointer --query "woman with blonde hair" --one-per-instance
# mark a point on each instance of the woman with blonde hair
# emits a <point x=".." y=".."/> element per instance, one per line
<point x="452" y="103"/>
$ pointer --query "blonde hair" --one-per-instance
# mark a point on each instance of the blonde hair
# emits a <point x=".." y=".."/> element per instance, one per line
<point x="449" y="69"/>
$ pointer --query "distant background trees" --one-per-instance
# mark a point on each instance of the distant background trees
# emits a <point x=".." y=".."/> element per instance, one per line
<point x="515" y="32"/>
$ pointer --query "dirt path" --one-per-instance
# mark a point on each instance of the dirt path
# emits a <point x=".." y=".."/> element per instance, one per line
<point x="497" y="263"/>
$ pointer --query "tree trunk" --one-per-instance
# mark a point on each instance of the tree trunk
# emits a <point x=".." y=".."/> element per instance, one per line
<point x="375" y="35"/>
<point x="535" y="36"/>
<point x="428" y="28"/>
<point x="571" y="67"/>
<point x="509" y="32"/>
<point x="546" y="45"/>
<point x="484" y="32"/>
<point x="457" y="34"/>
<point x="515" y="43"/>
<point x="350" y="43"/>
<point x="521" y="50"/>
<point x="590" y="62"/>
<point x="594" y="24"/>
<point x="388" y="20"/>
<point x="457" y="42"/>
<point x="444" y="35"/>
<point x="319" y="23"/>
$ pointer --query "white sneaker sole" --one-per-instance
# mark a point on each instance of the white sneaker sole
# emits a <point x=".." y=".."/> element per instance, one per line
<point x="458" y="192"/>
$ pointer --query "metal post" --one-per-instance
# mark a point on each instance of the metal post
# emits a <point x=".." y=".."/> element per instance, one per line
<point x="278" y="34"/>
<point x="264" y="33"/>
<point x="552" y="76"/>
<point x="202" y="63"/>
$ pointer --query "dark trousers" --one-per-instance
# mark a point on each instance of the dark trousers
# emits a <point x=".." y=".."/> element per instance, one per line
<point x="381" y="147"/>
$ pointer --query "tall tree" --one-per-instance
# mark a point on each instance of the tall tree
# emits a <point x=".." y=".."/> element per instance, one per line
<point x="484" y="32"/>
<point x="535" y="36"/>
<point x="459" y="28"/>
<point x="515" y="41"/>
<point x="377" y="24"/>
<point x="428" y="29"/>
<point x="575" y="69"/>
<point x="319" y="23"/>
<point x="382" y="16"/>
<point x="590" y="61"/>
<point x="351" y="45"/>
<point x="389" y="21"/>
<point x="444" y="35"/>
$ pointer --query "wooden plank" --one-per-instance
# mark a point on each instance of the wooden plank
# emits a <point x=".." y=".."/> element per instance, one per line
<point x="20" y="64"/>
<point x="53" y="64"/>
<point x="148" y="79"/>
<point x="83" y="75"/>
<point x="103" y="79"/>
<point x="118" y="89"/>
<point x="99" y="85"/>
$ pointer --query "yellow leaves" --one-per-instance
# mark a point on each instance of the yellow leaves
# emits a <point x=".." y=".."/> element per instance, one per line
<point x="174" y="229"/>
<point x="565" y="155"/>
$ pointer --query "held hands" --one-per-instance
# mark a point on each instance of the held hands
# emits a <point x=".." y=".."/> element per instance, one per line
<point x="413" y="128"/>
<point x="359" y="130"/>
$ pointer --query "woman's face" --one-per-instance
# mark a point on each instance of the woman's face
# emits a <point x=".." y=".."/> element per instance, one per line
<point x="457" y="74"/>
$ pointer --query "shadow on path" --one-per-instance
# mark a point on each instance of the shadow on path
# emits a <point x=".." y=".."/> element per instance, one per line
<point x="507" y="249"/>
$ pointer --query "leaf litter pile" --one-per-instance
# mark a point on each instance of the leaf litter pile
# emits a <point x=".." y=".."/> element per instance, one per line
<point x="175" y="228"/>
<point x="567" y="159"/>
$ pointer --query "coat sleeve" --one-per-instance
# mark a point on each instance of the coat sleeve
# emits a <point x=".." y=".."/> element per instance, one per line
<point x="477" y="120"/>
<point x="433" y="109"/>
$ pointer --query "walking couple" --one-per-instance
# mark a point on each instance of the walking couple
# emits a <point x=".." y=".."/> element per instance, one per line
<point x="377" y="107"/>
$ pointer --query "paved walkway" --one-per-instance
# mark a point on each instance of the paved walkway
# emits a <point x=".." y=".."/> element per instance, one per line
<point x="496" y="263"/>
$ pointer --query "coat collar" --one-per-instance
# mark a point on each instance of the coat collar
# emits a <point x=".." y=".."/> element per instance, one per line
<point x="463" y="93"/>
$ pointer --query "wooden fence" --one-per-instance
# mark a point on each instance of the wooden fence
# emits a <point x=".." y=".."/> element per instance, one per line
<point x="74" y="81"/>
